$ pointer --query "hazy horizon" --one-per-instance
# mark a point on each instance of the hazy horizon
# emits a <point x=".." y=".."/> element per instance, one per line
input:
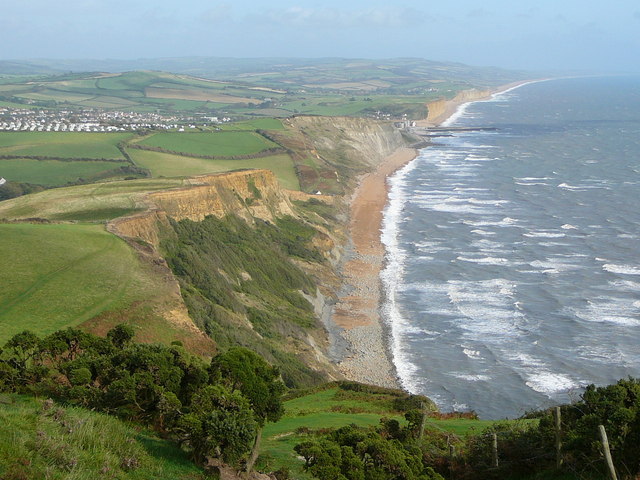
<point x="548" y="36"/>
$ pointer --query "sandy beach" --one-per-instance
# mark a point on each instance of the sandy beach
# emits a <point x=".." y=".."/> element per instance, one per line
<point x="357" y="312"/>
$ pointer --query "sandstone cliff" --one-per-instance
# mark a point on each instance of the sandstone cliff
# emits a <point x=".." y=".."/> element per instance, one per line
<point x="248" y="194"/>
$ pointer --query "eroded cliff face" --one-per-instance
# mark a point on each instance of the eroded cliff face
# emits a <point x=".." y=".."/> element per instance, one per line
<point x="248" y="194"/>
<point x="354" y="140"/>
<point x="331" y="152"/>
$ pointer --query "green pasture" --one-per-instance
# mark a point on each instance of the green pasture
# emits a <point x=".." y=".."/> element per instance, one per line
<point x="53" y="172"/>
<point x="129" y="81"/>
<point x="108" y="102"/>
<point x="55" y="95"/>
<point x="255" y="124"/>
<point x="62" y="144"/>
<point x="167" y="165"/>
<point x="94" y="202"/>
<point x="333" y="408"/>
<point x="59" y="275"/>
<point x="221" y="144"/>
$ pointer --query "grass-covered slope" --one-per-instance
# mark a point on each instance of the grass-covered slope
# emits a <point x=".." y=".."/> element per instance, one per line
<point x="55" y="276"/>
<point x="95" y="202"/>
<point x="41" y="440"/>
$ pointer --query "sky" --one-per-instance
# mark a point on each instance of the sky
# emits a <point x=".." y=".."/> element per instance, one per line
<point x="583" y="35"/>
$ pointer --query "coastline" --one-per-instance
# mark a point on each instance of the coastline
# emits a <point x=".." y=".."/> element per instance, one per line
<point x="357" y="313"/>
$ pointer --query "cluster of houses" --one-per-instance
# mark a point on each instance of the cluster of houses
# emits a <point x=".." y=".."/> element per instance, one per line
<point x="95" y="120"/>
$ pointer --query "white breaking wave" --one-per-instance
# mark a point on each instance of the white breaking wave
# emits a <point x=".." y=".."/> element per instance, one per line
<point x="551" y="265"/>
<point x="473" y="354"/>
<point x="470" y="377"/>
<point x="543" y="234"/>
<point x="391" y="277"/>
<point x="549" y="383"/>
<point x="621" y="269"/>
<point x="485" y="260"/>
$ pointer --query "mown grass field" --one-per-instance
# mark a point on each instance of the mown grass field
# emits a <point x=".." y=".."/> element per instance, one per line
<point x="73" y="443"/>
<point x="53" y="172"/>
<point x="219" y="144"/>
<point x="334" y="408"/>
<point x="62" y="144"/>
<point x="57" y="275"/>
<point x="167" y="165"/>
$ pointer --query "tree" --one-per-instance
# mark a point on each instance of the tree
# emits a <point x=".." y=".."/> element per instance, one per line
<point x="220" y="424"/>
<point x="240" y="368"/>
<point x="121" y="335"/>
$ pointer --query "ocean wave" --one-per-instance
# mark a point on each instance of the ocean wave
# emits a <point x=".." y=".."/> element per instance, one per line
<point x="551" y="265"/>
<point x="470" y="377"/>
<point x="485" y="260"/>
<point x="473" y="354"/>
<point x="495" y="203"/>
<point x="621" y="269"/>
<point x="505" y="222"/>
<point x="544" y="234"/>
<point x="618" y="311"/>
<point x="391" y="277"/>
<point x="550" y="383"/>
<point x="627" y="285"/>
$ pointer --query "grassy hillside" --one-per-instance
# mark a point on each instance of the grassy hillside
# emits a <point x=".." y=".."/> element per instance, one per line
<point x="96" y="202"/>
<point x="38" y="440"/>
<point x="55" y="276"/>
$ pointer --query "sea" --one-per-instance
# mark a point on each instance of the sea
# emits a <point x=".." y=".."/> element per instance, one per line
<point x="512" y="276"/>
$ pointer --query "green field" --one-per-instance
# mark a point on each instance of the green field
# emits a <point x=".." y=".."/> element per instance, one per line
<point x="62" y="144"/>
<point x="74" y="443"/>
<point x="95" y="202"/>
<point x="167" y="165"/>
<point x="257" y="124"/>
<point x="333" y="408"/>
<point x="54" y="276"/>
<point x="219" y="144"/>
<point x="53" y="172"/>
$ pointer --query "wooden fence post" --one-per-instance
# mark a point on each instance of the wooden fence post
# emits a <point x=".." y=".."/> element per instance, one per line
<point x="495" y="450"/>
<point x="424" y="419"/>
<point x="607" y="452"/>
<point x="558" y="428"/>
